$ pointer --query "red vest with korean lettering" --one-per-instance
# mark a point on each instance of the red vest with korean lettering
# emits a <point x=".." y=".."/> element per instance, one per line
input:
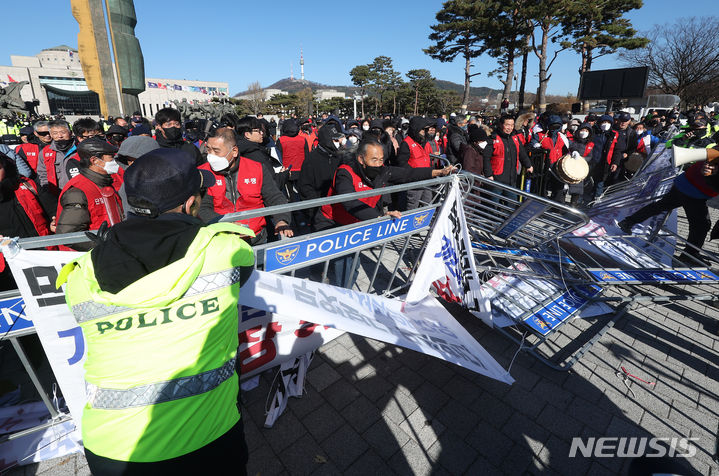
<point x="103" y="203"/>
<point x="249" y="190"/>
<point x="497" y="159"/>
<point x="556" y="148"/>
<point x="48" y="156"/>
<point x="336" y="211"/>
<point x="32" y="152"/>
<point x="418" y="157"/>
<point x="26" y="195"/>
<point x="293" y="151"/>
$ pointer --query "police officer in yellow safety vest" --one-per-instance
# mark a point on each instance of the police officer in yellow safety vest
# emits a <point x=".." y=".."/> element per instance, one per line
<point x="157" y="303"/>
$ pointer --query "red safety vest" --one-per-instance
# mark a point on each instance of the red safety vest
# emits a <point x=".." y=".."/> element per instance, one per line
<point x="32" y="152"/>
<point x="556" y="149"/>
<point x="418" y="156"/>
<point x="497" y="159"/>
<point x="611" y="147"/>
<point x="293" y="151"/>
<point x="48" y="156"/>
<point x="103" y="203"/>
<point x="249" y="191"/>
<point x="336" y="211"/>
<point x="695" y="177"/>
<point x="26" y="195"/>
<point x="432" y="147"/>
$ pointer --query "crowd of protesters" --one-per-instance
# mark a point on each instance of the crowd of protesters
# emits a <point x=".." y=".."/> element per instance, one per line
<point x="64" y="177"/>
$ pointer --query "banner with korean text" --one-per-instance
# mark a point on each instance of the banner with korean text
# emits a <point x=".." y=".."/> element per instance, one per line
<point x="447" y="264"/>
<point x="268" y="335"/>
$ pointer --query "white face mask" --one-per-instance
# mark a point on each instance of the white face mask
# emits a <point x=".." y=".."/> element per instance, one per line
<point x="218" y="163"/>
<point x="112" y="167"/>
<point x="640" y="131"/>
<point x="683" y="122"/>
<point x="482" y="144"/>
<point x="337" y="144"/>
<point x="583" y="134"/>
<point x="606" y="126"/>
<point x="353" y="139"/>
<point x="436" y="137"/>
<point x="365" y="127"/>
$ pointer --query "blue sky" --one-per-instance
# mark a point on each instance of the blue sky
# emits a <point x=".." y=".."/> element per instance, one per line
<point x="241" y="42"/>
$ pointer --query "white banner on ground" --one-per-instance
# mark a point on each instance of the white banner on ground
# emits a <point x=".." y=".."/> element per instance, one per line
<point x="424" y="326"/>
<point x="448" y="263"/>
<point x="266" y="339"/>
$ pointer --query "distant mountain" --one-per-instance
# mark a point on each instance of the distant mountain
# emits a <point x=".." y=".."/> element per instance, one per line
<point x="296" y="85"/>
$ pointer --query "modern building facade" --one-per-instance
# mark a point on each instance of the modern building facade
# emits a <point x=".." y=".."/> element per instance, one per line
<point x="57" y="81"/>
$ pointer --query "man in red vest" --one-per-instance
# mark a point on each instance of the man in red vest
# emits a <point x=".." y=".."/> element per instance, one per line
<point x="89" y="198"/>
<point x="20" y="212"/>
<point x="412" y="153"/>
<point x="504" y="158"/>
<point x="366" y="172"/>
<point x="241" y="184"/>
<point x="30" y="152"/>
<point x="293" y="149"/>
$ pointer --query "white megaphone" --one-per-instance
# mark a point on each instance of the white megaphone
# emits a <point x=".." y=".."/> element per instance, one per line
<point x="683" y="155"/>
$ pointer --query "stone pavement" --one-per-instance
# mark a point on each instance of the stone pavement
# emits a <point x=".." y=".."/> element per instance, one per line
<point x="373" y="408"/>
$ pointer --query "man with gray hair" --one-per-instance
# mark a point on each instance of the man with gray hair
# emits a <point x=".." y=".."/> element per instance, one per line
<point x="40" y="137"/>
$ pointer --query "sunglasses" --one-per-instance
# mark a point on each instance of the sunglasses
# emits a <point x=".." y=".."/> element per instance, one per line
<point x="44" y="134"/>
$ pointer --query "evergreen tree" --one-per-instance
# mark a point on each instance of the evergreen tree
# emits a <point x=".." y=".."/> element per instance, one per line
<point x="458" y="33"/>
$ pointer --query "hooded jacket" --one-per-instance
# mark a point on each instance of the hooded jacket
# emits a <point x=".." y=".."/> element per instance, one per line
<point x="182" y="144"/>
<point x="416" y="124"/>
<point x="319" y="168"/>
<point x="162" y="295"/>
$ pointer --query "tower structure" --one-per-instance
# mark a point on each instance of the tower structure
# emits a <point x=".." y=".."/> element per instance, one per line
<point x="117" y="76"/>
<point x="302" y="65"/>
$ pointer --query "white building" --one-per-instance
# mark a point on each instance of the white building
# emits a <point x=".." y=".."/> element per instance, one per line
<point x="322" y="94"/>
<point x="160" y="92"/>
<point x="56" y="80"/>
<point x="58" y="83"/>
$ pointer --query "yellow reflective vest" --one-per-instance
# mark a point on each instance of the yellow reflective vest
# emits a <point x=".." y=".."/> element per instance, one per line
<point x="160" y="369"/>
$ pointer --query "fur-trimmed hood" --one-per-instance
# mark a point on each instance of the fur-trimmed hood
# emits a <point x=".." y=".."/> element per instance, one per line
<point x="523" y="117"/>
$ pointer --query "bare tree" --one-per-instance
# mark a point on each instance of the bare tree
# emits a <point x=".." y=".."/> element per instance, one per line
<point x="683" y="58"/>
<point x="256" y="96"/>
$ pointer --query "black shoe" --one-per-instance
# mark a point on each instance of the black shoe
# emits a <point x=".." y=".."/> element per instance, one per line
<point x="625" y="226"/>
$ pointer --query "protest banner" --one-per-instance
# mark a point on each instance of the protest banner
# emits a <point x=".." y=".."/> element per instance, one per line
<point x="447" y="264"/>
<point x="268" y="336"/>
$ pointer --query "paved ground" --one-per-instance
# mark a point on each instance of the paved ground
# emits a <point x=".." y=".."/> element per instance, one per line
<point x="373" y="408"/>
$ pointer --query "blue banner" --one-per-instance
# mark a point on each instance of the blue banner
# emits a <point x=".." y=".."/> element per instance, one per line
<point x="560" y="309"/>
<point x="653" y="275"/>
<point x="326" y="246"/>
<point x="518" y="252"/>
<point x="12" y="316"/>
<point x="526" y="212"/>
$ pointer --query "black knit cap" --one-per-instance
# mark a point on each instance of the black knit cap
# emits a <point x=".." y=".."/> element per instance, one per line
<point x="163" y="179"/>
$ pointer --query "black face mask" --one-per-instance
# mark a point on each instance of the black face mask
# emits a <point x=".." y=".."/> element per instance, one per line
<point x="64" y="144"/>
<point x="555" y="127"/>
<point x="373" y="172"/>
<point x="172" y="133"/>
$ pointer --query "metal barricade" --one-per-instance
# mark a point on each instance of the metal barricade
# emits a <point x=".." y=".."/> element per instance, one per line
<point x="383" y="266"/>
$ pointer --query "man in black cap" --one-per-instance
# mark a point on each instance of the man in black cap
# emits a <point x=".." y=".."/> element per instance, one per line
<point x="116" y="134"/>
<point x="90" y="198"/>
<point x="167" y="286"/>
